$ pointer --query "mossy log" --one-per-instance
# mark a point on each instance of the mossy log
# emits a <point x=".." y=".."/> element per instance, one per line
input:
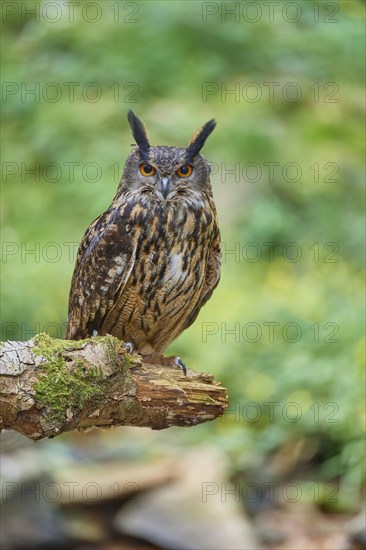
<point x="49" y="386"/>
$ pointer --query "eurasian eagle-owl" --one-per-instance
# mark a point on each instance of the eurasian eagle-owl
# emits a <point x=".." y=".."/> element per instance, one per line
<point x="147" y="265"/>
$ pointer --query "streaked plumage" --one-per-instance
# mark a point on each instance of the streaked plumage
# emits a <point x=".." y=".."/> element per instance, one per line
<point x="146" y="266"/>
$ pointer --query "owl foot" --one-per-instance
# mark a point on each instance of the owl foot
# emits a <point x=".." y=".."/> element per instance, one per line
<point x="178" y="361"/>
<point x="172" y="361"/>
<point x="129" y="346"/>
<point x="95" y="333"/>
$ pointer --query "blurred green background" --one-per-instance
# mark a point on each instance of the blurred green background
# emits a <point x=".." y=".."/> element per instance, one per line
<point x="174" y="64"/>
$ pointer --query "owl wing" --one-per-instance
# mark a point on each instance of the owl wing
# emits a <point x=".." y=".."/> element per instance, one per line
<point x="104" y="263"/>
<point x="212" y="277"/>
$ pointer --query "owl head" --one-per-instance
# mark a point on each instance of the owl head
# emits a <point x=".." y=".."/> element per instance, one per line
<point x="167" y="173"/>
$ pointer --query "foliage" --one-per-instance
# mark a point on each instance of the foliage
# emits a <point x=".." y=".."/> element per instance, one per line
<point x="169" y="56"/>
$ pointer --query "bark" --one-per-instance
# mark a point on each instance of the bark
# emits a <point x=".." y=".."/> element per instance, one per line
<point x="49" y="386"/>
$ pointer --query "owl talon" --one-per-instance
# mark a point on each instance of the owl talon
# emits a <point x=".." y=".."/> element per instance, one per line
<point x="95" y="333"/>
<point x="179" y="363"/>
<point x="129" y="346"/>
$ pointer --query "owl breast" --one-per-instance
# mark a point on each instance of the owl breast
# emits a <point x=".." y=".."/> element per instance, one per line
<point x="171" y="243"/>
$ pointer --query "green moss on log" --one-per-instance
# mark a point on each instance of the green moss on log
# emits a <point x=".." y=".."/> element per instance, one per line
<point x="62" y="388"/>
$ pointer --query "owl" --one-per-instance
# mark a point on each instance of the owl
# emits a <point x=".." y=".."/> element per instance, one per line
<point x="147" y="265"/>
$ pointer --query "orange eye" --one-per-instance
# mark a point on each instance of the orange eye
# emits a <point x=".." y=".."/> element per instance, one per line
<point x="147" y="169"/>
<point x="185" y="171"/>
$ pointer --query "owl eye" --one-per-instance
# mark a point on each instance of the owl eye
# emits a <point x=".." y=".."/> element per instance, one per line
<point x="147" y="169"/>
<point x="184" y="171"/>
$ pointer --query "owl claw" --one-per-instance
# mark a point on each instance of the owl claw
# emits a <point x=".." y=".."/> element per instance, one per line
<point x="178" y="361"/>
<point x="129" y="346"/>
<point x="95" y="333"/>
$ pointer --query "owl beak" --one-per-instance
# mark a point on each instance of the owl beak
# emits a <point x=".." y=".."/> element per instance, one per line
<point x="164" y="187"/>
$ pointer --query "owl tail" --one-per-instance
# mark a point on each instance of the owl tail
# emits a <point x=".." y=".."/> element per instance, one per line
<point x="198" y="139"/>
<point x="139" y="133"/>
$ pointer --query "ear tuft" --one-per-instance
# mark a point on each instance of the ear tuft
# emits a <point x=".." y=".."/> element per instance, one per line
<point x="198" y="139"/>
<point x="139" y="133"/>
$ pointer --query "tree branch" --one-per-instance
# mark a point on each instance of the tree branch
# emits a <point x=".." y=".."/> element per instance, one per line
<point x="49" y="386"/>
